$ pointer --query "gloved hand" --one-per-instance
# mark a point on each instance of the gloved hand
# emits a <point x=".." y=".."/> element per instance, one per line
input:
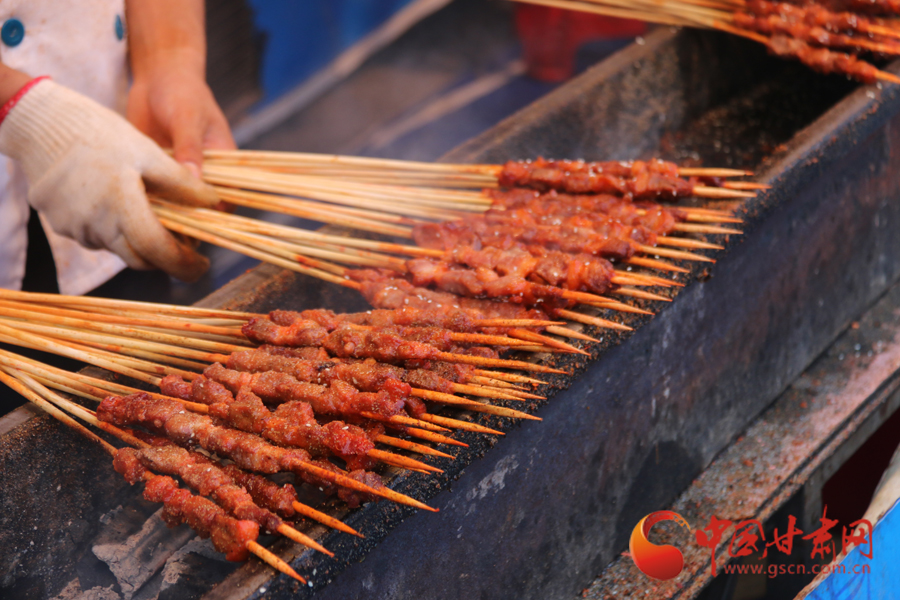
<point x="87" y="169"/>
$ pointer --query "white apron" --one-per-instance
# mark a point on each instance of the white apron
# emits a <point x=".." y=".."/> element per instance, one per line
<point x="76" y="42"/>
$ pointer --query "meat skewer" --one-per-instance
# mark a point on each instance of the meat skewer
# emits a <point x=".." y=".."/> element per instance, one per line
<point x="574" y="235"/>
<point x="367" y="180"/>
<point x="141" y="370"/>
<point x="391" y="167"/>
<point x="384" y="346"/>
<point x="487" y="283"/>
<point x="309" y="244"/>
<point x="640" y="179"/>
<point x="826" y="61"/>
<point x="366" y="375"/>
<point x="454" y="320"/>
<point x="342" y="399"/>
<point x="234" y="538"/>
<point x="888" y="8"/>
<point x="281" y="500"/>
<point x="391" y="293"/>
<point x="271" y="250"/>
<point x="75" y="335"/>
<point x="266" y="331"/>
<point x="623" y="209"/>
<point x="436" y="335"/>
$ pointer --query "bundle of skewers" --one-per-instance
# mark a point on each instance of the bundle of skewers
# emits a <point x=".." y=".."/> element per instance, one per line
<point x="533" y="240"/>
<point x="313" y="393"/>
<point x="828" y="37"/>
<point x="503" y="259"/>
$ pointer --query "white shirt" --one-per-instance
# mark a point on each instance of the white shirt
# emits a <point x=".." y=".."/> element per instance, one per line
<point x="76" y="43"/>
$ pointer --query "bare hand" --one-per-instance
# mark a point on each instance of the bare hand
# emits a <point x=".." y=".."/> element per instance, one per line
<point x="172" y="104"/>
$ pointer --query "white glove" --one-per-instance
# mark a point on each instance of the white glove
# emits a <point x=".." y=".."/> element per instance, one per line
<point x="86" y="168"/>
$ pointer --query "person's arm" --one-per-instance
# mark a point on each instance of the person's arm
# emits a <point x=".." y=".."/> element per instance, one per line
<point x="11" y="81"/>
<point x="169" y="99"/>
<point x="88" y="170"/>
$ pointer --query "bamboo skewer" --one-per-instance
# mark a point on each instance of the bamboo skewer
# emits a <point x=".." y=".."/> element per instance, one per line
<point x="679" y="254"/>
<point x="566" y="332"/>
<point x="511" y="377"/>
<point x="546" y="341"/>
<point x="680" y="242"/>
<point x="435" y="438"/>
<point x="411" y="446"/>
<point x="651" y="263"/>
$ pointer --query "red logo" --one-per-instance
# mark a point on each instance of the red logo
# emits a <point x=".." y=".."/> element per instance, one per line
<point x="659" y="562"/>
<point x="667" y="562"/>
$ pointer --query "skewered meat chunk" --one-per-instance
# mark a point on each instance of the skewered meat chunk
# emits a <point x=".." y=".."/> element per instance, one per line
<point x="383" y="346"/>
<point x="636" y="227"/>
<point x="441" y="339"/>
<point x="229" y="536"/>
<point x="366" y="375"/>
<point x="126" y="463"/>
<point x="188" y="429"/>
<point x="572" y="235"/>
<point x="278" y="499"/>
<point x="299" y="333"/>
<point x="438" y="337"/>
<point x="202" y="390"/>
<point x="386" y="345"/>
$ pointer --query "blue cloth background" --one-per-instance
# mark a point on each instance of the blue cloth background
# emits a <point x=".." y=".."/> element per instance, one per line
<point x="302" y="36"/>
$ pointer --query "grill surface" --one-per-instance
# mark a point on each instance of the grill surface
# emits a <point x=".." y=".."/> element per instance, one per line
<point x="539" y="512"/>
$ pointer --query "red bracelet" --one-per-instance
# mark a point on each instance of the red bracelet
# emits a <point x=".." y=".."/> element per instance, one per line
<point x="15" y="99"/>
